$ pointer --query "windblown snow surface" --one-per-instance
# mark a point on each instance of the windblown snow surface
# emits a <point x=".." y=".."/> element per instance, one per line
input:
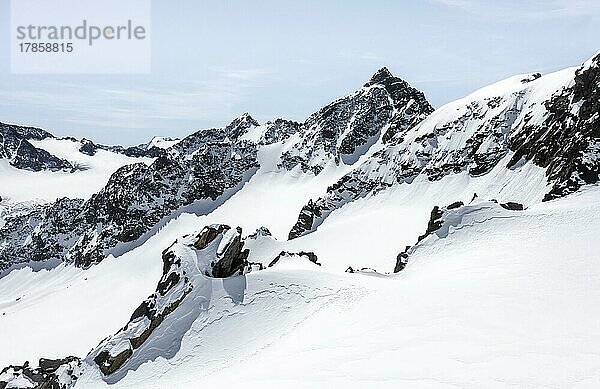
<point x="496" y="299"/>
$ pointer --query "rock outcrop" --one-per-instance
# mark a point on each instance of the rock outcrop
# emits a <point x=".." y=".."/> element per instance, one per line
<point x="51" y="374"/>
<point x="309" y="255"/>
<point x="216" y="251"/>
<point x="453" y="215"/>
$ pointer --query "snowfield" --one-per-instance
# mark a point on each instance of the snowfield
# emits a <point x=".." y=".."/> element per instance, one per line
<point x="507" y="298"/>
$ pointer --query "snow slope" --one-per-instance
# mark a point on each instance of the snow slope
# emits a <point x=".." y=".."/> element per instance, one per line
<point x="368" y="233"/>
<point x="506" y="299"/>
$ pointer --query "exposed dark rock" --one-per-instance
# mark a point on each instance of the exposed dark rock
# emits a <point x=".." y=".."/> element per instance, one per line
<point x="50" y="365"/>
<point x="344" y="130"/>
<point x="435" y="223"/>
<point x="46" y="376"/>
<point x="278" y="130"/>
<point x="401" y="260"/>
<point x="455" y="205"/>
<point x="410" y="104"/>
<point x="144" y="150"/>
<point x="512" y="206"/>
<point x="88" y="147"/>
<point x="108" y="364"/>
<point x="208" y="235"/>
<point x="25" y="132"/>
<point x="530" y="78"/>
<point x="262" y="231"/>
<point x="312" y="257"/>
<point x="568" y="141"/>
<point x="232" y="258"/>
<point x="305" y="220"/>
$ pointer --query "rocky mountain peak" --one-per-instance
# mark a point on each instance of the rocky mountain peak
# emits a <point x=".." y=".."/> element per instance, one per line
<point x="400" y="91"/>
<point x="380" y="76"/>
<point x="240" y="124"/>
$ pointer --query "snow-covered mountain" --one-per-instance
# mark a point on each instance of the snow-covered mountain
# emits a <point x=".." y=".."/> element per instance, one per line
<point x="18" y="151"/>
<point x="265" y="254"/>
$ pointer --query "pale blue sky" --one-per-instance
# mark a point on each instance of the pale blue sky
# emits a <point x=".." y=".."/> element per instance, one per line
<point x="213" y="60"/>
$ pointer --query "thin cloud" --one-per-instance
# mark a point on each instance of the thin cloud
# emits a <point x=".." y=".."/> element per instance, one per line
<point x="533" y="10"/>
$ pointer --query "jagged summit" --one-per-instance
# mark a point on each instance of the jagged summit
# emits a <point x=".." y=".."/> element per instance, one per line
<point x="409" y="102"/>
<point x="244" y="118"/>
<point x="400" y="90"/>
<point x="343" y="131"/>
<point x="239" y="125"/>
<point x="381" y="75"/>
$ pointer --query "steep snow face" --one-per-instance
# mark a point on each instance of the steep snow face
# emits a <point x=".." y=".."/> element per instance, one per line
<point x="371" y="231"/>
<point x="530" y="117"/>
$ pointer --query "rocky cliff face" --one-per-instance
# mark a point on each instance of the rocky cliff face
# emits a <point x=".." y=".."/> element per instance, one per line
<point x="567" y="142"/>
<point x="345" y="129"/>
<point x="189" y="265"/>
<point x="39" y="232"/>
